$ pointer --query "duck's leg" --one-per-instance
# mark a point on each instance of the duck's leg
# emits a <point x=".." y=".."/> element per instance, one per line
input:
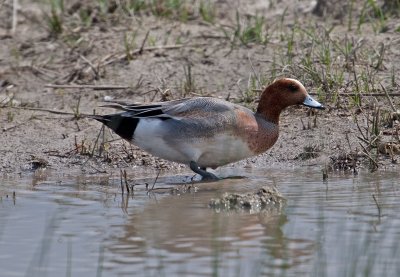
<point x="202" y="171"/>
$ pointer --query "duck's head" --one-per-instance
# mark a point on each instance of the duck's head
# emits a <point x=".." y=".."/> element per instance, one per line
<point x="283" y="93"/>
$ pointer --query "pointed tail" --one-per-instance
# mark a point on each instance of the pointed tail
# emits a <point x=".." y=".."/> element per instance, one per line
<point x="121" y="124"/>
<point x="101" y="118"/>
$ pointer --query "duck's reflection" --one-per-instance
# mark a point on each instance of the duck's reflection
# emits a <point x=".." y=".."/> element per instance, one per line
<point x="183" y="229"/>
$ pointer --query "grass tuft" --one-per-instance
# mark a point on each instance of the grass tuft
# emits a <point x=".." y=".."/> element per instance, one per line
<point x="207" y="11"/>
<point x="54" y="20"/>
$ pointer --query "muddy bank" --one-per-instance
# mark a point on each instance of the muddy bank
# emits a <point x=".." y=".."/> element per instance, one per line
<point x="162" y="53"/>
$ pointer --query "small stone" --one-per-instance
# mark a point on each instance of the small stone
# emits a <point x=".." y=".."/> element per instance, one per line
<point x="264" y="198"/>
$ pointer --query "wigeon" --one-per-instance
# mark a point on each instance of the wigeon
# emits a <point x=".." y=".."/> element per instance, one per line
<point x="206" y="132"/>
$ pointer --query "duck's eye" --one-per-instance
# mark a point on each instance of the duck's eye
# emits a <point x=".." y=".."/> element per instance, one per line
<point x="293" y="87"/>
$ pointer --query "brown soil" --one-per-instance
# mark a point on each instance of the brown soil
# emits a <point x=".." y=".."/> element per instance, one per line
<point x="194" y="57"/>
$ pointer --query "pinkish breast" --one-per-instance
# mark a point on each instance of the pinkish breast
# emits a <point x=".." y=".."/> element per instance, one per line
<point x="257" y="132"/>
<point x="265" y="137"/>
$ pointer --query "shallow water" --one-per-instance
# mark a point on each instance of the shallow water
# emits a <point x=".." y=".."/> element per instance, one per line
<point x="59" y="225"/>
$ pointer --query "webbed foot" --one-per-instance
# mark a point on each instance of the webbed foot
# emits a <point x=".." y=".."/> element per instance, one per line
<point x="206" y="176"/>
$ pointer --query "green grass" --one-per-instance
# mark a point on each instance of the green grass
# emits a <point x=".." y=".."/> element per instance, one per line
<point x="10" y="116"/>
<point x="76" y="109"/>
<point x="331" y="63"/>
<point x="177" y="9"/>
<point x="247" y="30"/>
<point x="250" y="94"/>
<point x="54" y="19"/>
<point x="85" y="16"/>
<point x="373" y="13"/>
<point x="130" y="44"/>
<point x="104" y="6"/>
<point x="379" y="24"/>
<point x="207" y="11"/>
<point x="59" y="19"/>
<point x="189" y="84"/>
<point x="370" y="135"/>
<point x="251" y="29"/>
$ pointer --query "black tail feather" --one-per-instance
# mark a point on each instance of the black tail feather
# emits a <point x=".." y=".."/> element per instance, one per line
<point x="124" y="126"/>
<point x="100" y="118"/>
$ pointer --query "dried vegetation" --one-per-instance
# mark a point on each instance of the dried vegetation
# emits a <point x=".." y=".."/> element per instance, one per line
<point x="344" y="51"/>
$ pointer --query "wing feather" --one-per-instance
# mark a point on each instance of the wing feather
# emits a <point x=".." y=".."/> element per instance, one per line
<point x="193" y="108"/>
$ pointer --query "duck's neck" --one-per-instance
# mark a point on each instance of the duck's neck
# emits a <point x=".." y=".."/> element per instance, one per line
<point x="266" y="135"/>
<point x="271" y="114"/>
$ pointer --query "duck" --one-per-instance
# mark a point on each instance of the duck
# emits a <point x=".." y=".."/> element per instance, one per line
<point x="207" y="132"/>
